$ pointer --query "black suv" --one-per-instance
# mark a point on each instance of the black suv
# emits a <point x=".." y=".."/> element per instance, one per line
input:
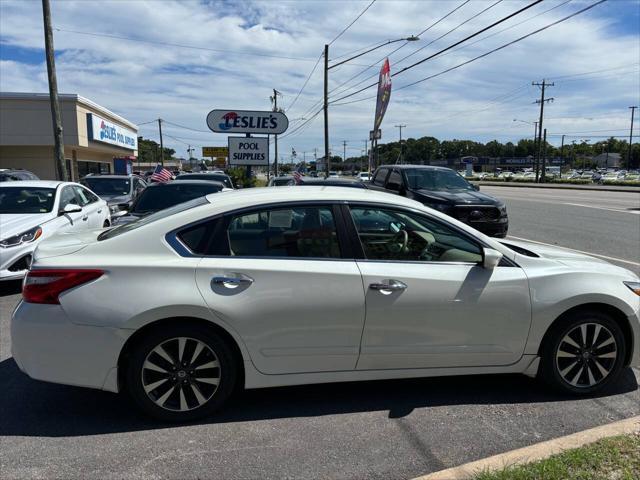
<point x="445" y="190"/>
<point x="119" y="191"/>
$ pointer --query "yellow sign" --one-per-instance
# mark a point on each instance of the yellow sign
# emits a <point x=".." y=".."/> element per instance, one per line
<point x="215" y="152"/>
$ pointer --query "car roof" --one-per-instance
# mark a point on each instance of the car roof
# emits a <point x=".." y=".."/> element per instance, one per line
<point x="182" y="183"/>
<point x="331" y="181"/>
<point x="251" y="197"/>
<point x="421" y="167"/>
<point x="199" y="174"/>
<point x="110" y="176"/>
<point x="36" y="183"/>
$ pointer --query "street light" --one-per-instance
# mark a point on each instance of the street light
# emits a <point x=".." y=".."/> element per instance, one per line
<point x="411" y="38"/>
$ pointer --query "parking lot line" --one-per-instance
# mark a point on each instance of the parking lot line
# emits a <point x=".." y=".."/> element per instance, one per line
<point x="634" y="212"/>
<point x="579" y="251"/>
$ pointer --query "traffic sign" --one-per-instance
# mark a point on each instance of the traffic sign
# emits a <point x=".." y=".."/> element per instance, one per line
<point x="375" y="134"/>
<point x="244" y="121"/>
<point x="215" y="152"/>
<point x="248" y="151"/>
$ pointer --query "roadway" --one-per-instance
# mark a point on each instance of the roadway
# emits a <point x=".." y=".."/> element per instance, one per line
<point x="603" y="224"/>
<point x="390" y="429"/>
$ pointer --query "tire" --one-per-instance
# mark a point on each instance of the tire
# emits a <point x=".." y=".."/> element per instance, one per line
<point x="175" y="392"/>
<point x="572" y="364"/>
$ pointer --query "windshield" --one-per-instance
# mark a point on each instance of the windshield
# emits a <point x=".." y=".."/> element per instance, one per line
<point x="224" y="179"/>
<point x="160" y="197"/>
<point x="108" y="186"/>
<point x="436" y="180"/>
<point x="26" y="199"/>
<point x="127" y="227"/>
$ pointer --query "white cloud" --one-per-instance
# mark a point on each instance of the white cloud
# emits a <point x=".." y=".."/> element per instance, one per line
<point x="146" y="80"/>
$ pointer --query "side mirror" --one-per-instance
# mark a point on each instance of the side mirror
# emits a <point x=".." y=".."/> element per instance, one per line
<point x="490" y="258"/>
<point x="70" y="208"/>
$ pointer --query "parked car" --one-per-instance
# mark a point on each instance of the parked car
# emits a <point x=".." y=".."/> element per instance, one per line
<point x="445" y="190"/>
<point x="160" y="196"/>
<point x="119" y="191"/>
<point x="281" y="181"/>
<point x="332" y="182"/>
<point x="612" y="177"/>
<point x="333" y="174"/>
<point x="223" y="292"/>
<point x="31" y="211"/>
<point x="16" y="174"/>
<point x="364" y="176"/>
<point x="216" y="176"/>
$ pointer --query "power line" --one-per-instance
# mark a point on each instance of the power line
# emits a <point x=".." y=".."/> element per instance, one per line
<point x="504" y="19"/>
<point x="185" y="127"/>
<point x="354" y="21"/>
<point x="306" y="81"/>
<point x="478" y="57"/>
<point x="179" y="45"/>
<point x="398" y="48"/>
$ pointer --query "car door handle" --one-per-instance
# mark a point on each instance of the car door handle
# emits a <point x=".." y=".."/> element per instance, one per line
<point x="388" y="286"/>
<point x="85" y="218"/>
<point x="232" y="282"/>
<point x="100" y="211"/>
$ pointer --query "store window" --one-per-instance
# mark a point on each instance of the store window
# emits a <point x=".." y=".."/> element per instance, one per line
<point x="94" y="168"/>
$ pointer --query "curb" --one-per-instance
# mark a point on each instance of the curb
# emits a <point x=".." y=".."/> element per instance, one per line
<point x="561" y="186"/>
<point x="538" y="451"/>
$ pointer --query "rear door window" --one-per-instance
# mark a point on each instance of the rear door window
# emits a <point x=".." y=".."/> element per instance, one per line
<point x="298" y="232"/>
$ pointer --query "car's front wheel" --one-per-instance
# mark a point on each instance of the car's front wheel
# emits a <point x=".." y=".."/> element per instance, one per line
<point x="180" y="373"/>
<point x="584" y="353"/>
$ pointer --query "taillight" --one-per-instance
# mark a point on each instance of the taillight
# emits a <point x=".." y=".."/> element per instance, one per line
<point x="44" y="286"/>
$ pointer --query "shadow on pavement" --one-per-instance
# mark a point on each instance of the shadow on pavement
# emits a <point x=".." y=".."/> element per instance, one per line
<point x="32" y="408"/>
<point x="11" y="287"/>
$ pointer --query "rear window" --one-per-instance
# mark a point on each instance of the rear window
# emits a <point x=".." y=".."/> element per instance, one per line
<point x="164" y="196"/>
<point x="127" y="227"/>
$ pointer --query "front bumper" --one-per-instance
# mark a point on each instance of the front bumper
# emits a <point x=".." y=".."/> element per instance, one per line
<point x="498" y="228"/>
<point x="47" y="346"/>
<point x="12" y="259"/>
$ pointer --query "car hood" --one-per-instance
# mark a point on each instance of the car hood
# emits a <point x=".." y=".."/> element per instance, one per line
<point x="458" y="197"/>
<point x="114" y="199"/>
<point x="14" y="223"/>
<point x="569" y="258"/>
<point x="65" y="243"/>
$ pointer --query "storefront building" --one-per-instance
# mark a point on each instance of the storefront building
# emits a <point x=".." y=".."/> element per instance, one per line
<point x="93" y="135"/>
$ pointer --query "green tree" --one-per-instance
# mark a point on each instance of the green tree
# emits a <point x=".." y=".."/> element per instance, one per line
<point x="149" y="151"/>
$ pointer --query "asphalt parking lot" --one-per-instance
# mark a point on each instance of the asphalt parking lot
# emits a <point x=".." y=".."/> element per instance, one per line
<point x="389" y="429"/>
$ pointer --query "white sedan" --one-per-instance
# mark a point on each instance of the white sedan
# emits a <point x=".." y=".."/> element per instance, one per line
<point x="270" y="287"/>
<point x="31" y="211"/>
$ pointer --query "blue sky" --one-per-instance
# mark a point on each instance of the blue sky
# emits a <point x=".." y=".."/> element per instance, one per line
<point x="593" y="59"/>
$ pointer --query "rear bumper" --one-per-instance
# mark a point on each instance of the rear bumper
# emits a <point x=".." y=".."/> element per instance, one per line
<point x="47" y="346"/>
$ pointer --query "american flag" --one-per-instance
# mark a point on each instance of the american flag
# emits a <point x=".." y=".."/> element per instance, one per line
<point x="297" y="177"/>
<point x="161" y="174"/>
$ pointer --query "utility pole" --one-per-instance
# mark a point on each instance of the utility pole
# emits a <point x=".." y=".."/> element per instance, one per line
<point x="535" y="142"/>
<point x="344" y="151"/>
<point x="58" y="139"/>
<point x="562" y="155"/>
<point x="274" y="99"/>
<point x="543" y="177"/>
<point x="161" y="144"/>
<point x="401" y="156"/>
<point x="326" y="110"/>
<point x="633" y="109"/>
<point x="541" y="102"/>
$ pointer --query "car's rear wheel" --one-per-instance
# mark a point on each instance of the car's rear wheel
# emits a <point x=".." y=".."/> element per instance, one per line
<point x="583" y="354"/>
<point x="181" y="373"/>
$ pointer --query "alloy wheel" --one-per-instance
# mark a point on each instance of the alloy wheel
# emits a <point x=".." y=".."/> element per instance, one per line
<point x="586" y="355"/>
<point x="181" y="374"/>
